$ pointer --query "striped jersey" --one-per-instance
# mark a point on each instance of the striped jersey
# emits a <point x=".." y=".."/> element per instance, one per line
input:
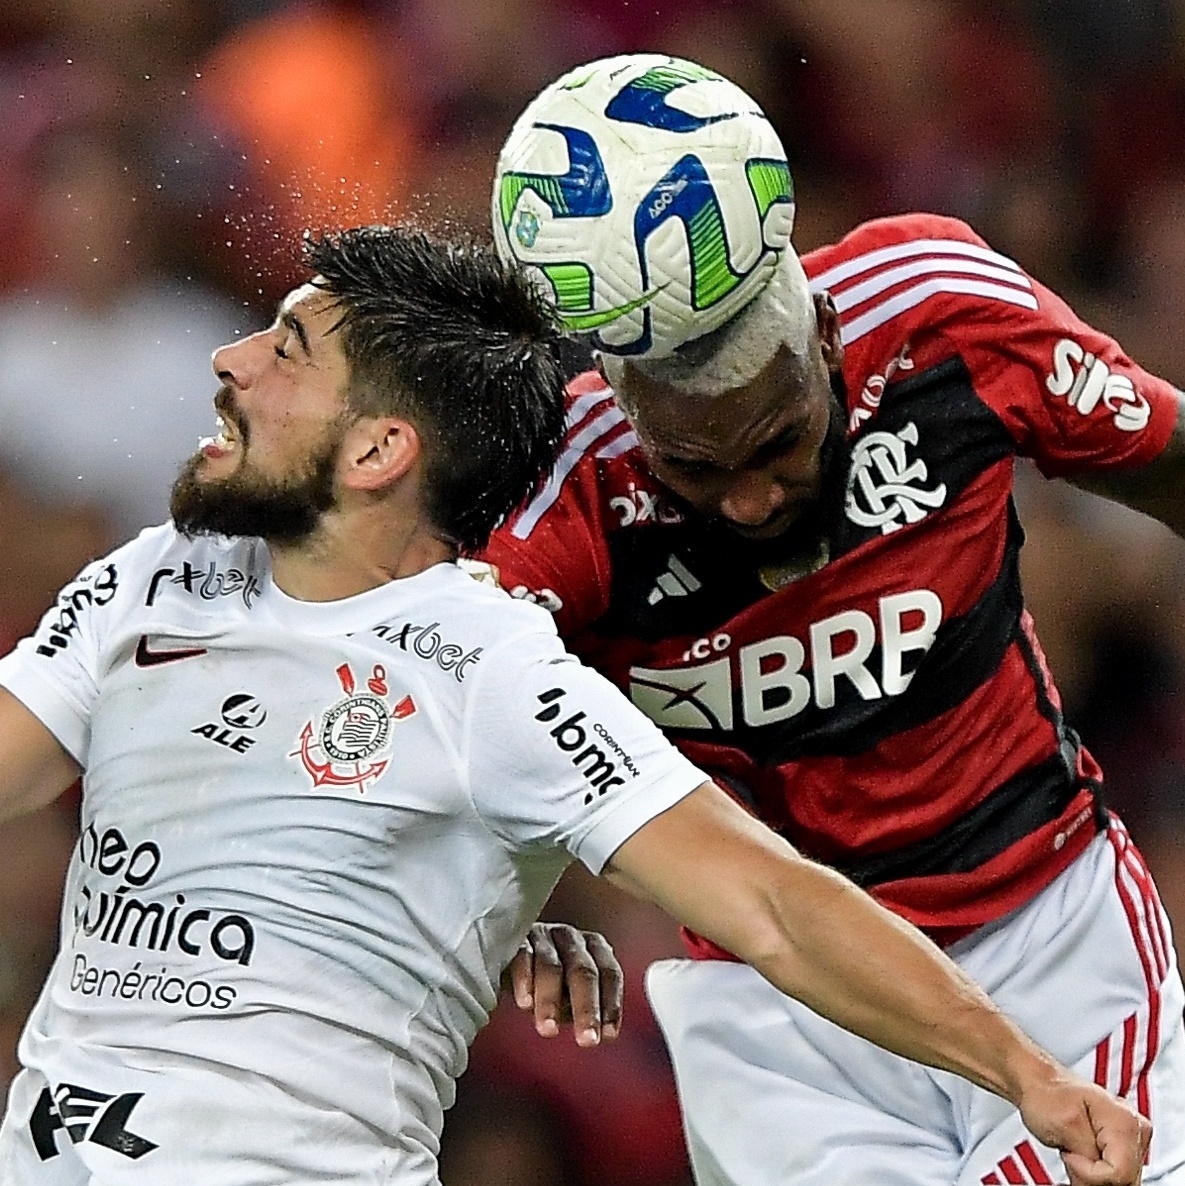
<point x="890" y="712"/>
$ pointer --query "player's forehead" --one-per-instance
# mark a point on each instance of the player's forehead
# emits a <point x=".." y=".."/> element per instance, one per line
<point x="672" y="423"/>
<point x="314" y="310"/>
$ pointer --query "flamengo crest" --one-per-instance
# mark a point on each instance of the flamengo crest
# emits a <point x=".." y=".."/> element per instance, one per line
<point x="351" y="732"/>
<point x="885" y="488"/>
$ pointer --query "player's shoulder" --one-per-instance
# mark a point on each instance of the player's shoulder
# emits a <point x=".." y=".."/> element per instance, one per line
<point x="897" y="278"/>
<point x="468" y="597"/>
<point x="133" y="562"/>
<point x="600" y="474"/>
<point x="915" y="289"/>
<point x="594" y="422"/>
<point x="162" y="569"/>
<point x="897" y="236"/>
<point x="460" y="616"/>
<point x="215" y="558"/>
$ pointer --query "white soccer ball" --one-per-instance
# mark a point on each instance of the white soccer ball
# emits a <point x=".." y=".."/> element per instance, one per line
<point x="649" y="196"/>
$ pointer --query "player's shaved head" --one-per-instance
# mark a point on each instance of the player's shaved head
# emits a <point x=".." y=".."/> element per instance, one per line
<point x="781" y="317"/>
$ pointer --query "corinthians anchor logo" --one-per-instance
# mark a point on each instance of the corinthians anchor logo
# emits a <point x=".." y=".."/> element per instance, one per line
<point x="354" y="730"/>
<point x="884" y="487"/>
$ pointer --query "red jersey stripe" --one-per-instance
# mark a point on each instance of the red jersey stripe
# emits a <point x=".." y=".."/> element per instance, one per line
<point x="1032" y="1163"/>
<point x="1012" y="1172"/>
<point x="870" y="260"/>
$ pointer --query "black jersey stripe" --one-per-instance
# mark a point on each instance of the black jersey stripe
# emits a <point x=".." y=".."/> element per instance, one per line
<point x="1016" y="808"/>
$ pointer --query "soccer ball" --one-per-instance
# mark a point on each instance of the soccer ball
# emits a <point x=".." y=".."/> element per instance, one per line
<point x="649" y="196"/>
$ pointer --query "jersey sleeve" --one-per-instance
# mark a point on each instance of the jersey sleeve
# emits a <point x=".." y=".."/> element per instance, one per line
<point x="923" y="288"/>
<point x="54" y="672"/>
<point x="554" y="551"/>
<point x="1068" y="394"/>
<point x="558" y="757"/>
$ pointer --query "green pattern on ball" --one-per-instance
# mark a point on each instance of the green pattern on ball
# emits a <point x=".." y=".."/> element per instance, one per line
<point x="770" y="182"/>
<point x="513" y="184"/>
<point x="667" y="78"/>
<point x="573" y="285"/>
<point x="713" y="275"/>
<point x="584" y="322"/>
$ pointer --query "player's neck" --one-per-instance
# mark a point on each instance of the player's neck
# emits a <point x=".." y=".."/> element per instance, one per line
<point x="342" y="560"/>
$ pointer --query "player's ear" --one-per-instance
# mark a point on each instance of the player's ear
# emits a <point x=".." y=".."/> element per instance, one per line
<point x="378" y="451"/>
<point x="827" y="320"/>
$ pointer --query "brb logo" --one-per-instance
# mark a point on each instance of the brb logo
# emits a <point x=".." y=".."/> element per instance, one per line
<point x="86" y="1115"/>
<point x="571" y="736"/>
<point x="770" y="673"/>
<point x="1085" y="381"/>
<point x="885" y="489"/>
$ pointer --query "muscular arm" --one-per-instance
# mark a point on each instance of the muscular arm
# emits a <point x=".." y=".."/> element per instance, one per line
<point x="819" y="938"/>
<point x="1158" y="488"/>
<point x="34" y="768"/>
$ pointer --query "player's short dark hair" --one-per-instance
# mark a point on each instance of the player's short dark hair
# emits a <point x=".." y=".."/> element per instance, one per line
<point x="465" y="347"/>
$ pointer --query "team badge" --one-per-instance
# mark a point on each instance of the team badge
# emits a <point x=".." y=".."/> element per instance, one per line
<point x="342" y="749"/>
<point x="885" y="487"/>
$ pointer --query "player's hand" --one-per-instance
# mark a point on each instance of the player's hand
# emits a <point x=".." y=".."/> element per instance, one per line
<point x="565" y="975"/>
<point x="1102" y="1139"/>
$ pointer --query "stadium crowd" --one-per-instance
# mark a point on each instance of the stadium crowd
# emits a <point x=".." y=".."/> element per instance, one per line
<point x="156" y="157"/>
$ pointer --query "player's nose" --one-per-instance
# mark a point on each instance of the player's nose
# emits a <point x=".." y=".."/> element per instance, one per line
<point x="752" y="499"/>
<point x="238" y="363"/>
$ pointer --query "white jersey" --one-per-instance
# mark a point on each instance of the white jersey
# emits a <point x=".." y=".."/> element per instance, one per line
<point x="313" y="834"/>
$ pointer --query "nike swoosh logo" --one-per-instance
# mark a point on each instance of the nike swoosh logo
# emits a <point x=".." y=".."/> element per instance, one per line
<point x="148" y="658"/>
<point x="587" y="321"/>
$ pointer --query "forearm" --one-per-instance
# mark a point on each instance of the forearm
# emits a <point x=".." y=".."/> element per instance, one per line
<point x="819" y="938"/>
<point x="835" y="949"/>
<point x="35" y="769"/>
<point x="1156" y="488"/>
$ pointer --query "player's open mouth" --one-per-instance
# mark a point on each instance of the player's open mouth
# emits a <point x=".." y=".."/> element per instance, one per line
<point x="223" y="443"/>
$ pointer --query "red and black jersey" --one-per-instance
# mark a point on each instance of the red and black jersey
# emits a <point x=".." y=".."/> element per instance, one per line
<point x="890" y="713"/>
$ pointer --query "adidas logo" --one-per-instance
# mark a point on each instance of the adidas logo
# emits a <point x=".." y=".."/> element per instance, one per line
<point x="1022" y="1167"/>
<point x="675" y="582"/>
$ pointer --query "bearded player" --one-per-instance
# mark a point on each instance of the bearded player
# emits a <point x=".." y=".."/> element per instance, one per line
<point x="793" y="543"/>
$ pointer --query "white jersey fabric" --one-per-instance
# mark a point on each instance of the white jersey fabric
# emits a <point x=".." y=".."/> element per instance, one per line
<point x="313" y="835"/>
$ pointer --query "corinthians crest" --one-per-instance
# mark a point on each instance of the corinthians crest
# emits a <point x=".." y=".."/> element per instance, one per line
<point x="351" y="734"/>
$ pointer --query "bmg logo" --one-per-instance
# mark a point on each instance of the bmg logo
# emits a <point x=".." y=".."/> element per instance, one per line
<point x="571" y="737"/>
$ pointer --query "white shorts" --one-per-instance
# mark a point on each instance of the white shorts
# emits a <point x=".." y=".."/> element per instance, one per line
<point x="772" y="1093"/>
<point x="190" y="1126"/>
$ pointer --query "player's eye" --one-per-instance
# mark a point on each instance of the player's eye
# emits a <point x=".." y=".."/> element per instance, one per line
<point x="688" y="468"/>
<point x="784" y="442"/>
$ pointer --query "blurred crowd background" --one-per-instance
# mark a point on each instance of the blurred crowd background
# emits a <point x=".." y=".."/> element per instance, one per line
<point x="159" y="157"/>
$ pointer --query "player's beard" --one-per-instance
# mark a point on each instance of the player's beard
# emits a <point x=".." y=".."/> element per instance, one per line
<point x="246" y="503"/>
